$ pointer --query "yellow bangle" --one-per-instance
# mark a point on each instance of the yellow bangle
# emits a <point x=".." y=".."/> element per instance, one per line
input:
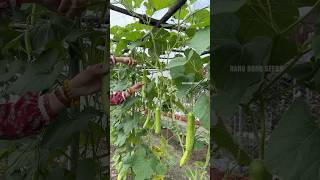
<point x="66" y="89"/>
<point x="130" y="90"/>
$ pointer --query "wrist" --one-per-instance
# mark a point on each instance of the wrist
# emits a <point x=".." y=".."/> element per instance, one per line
<point x="74" y="92"/>
<point x="72" y="95"/>
<point x="55" y="104"/>
<point x="113" y="59"/>
<point x="126" y="94"/>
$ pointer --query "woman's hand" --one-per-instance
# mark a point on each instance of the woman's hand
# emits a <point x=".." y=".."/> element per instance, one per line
<point x="88" y="81"/>
<point x="126" y="60"/>
<point x="134" y="88"/>
<point x="137" y="86"/>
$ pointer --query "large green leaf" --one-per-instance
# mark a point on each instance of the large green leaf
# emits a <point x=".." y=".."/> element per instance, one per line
<point x="60" y="132"/>
<point x="200" y="41"/>
<point x="232" y="75"/>
<point x="293" y="148"/>
<point x="86" y="169"/>
<point x="160" y="4"/>
<point x="226" y="26"/>
<point x="186" y="70"/>
<point x="284" y="12"/>
<point x="15" y="67"/>
<point x="251" y="25"/>
<point x="284" y="49"/>
<point x="141" y="165"/>
<point x="201" y="110"/>
<point x="225" y="6"/>
<point x="39" y="75"/>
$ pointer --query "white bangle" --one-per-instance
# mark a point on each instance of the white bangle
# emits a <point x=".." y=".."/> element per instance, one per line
<point x="113" y="59"/>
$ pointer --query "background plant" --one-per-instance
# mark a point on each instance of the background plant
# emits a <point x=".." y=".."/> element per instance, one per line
<point x="267" y="33"/>
<point x="39" y="49"/>
<point x="173" y="58"/>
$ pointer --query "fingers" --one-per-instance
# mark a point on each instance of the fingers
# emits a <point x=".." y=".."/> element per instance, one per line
<point x="137" y="86"/>
<point x="126" y="60"/>
<point x="132" y="62"/>
<point x="98" y="69"/>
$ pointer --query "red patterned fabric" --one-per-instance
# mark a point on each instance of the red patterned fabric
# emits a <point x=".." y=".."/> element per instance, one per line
<point x="31" y="112"/>
<point x="23" y="117"/>
<point x="117" y="98"/>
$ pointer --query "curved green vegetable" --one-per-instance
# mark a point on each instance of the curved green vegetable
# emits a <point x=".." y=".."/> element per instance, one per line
<point x="257" y="171"/>
<point x="143" y="90"/>
<point x="147" y="122"/>
<point x="157" y="121"/>
<point x="27" y="42"/>
<point x="185" y="158"/>
<point x="191" y="131"/>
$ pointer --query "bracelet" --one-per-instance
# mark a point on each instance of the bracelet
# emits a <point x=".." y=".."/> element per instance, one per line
<point x="75" y="102"/>
<point x="130" y="90"/>
<point x="60" y="97"/>
<point x="66" y="90"/>
<point x="113" y="59"/>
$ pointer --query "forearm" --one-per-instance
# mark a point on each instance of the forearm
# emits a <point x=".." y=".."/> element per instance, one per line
<point x="24" y="116"/>
<point x="55" y="105"/>
<point x="118" y="98"/>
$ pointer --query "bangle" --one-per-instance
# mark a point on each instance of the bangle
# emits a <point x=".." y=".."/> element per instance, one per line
<point x="60" y="97"/>
<point x="130" y="90"/>
<point x="66" y="90"/>
<point x="75" y="102"/>
<point x="113" y="59"/>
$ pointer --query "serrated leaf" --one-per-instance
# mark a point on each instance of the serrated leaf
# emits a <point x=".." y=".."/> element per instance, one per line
<point x="200" y="41"/>
<point x="40" y="75"/>
<point x="86" y="170"/>
<point x="226" y="6"/>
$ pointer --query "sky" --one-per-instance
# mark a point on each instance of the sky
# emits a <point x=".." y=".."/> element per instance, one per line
<point x="119" y="19"/>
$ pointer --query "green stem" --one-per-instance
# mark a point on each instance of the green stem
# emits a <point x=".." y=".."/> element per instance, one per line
<point x="263" y="129"/>
<point x="291" y="64"/>
<point x="301" y="18"/>
<point x="33" y="12"/>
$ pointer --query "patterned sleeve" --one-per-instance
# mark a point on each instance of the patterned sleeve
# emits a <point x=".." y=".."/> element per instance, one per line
<point x="24" y="117"/>
<point x="117" y="98"/>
